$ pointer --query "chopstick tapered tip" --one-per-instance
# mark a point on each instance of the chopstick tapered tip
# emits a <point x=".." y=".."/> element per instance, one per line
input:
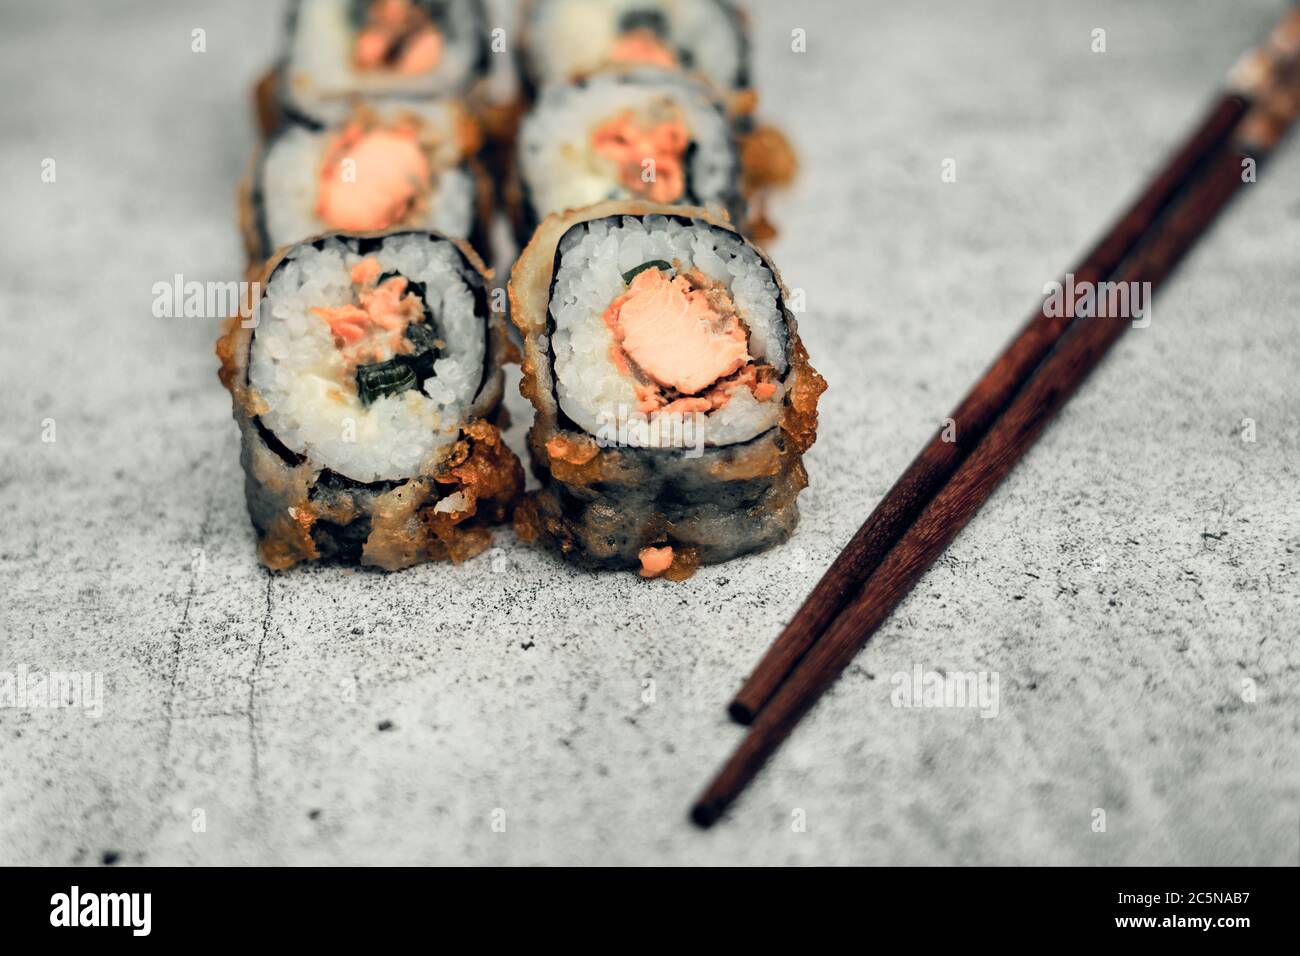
<point x="741" y="713"/>
<point x="704" y="815"/>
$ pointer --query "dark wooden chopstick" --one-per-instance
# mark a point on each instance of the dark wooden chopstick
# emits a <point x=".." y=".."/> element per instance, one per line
<point x="1051" y="385"/>
<point x="991" y="395"/>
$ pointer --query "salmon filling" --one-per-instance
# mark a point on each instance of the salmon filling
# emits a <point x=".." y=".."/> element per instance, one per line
<point x="642" y="46"/>
<point x="372" y="178"/>
<point x="655" y="561"/>
<point x="398" y="36"/>
<point x="639" y="149"/>
<point x="375" y="328"/>
<point x="683" y="341"/>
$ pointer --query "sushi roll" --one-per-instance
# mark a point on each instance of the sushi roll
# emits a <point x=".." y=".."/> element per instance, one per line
<point x="382" y="168"/>
<point x="673" y="397"/>
<point x="566" y="40"/>
<point x="397" y="50"/>
<point x="366" y="389"/>
<point x="641" y="134"/>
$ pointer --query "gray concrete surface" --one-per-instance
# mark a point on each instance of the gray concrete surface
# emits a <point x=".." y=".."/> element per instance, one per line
<point x="1130" y="576"/>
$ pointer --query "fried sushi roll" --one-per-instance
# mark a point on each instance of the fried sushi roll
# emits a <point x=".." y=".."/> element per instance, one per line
<point x="674" y="399"/>
<point x="392" y="50"/>
<point x="565" y="40"/>
<point x="639" y="134"/>
<point x="383" y="168"/>
<point x="366" y="390"/>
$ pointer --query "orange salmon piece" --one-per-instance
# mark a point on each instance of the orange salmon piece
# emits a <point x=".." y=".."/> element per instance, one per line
<point x="398" y="36"/>
<point x="674" y="335"/>
<point x="628" y="143"/>
<point x="389" y="171"/>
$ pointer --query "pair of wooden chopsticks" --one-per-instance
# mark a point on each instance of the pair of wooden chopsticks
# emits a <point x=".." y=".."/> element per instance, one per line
<point x="1007" y="410"/>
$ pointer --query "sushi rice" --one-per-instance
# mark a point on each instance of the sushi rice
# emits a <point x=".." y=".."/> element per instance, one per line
<point x="321" y="76"/>
<point x="570" y="39"/>
<point x="593" y="259"/>
<point x="561" y="165"/>
<point x="286" y="189"/>
<point x="300" y="375"/>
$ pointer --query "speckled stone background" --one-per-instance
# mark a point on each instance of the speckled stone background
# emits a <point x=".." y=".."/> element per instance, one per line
<point x="1138" y="567"/>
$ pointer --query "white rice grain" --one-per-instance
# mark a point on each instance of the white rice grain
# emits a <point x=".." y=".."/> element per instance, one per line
<point x="300" y="375"/>
<point x="593" y="257"/>
<point x="561" y="170"/>
<point x="572" y="38"/>
<point x="321" y="80"/>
